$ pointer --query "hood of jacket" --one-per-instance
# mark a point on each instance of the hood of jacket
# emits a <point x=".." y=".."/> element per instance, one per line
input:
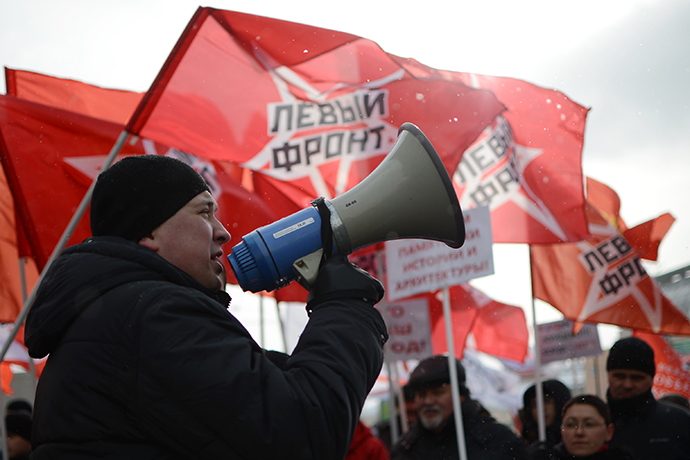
<point x="85" y="272"/>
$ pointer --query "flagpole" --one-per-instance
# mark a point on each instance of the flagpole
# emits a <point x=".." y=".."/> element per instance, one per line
<point x="393" y="383"/>
<point x="22" y="277"/>
<point x="541" y="422"/>
<point x="282" y="327"/>
<point x="454" y="385"/>
<point x="62" y="243"/>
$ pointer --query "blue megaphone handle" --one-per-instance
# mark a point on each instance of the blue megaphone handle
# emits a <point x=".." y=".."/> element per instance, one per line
<point x="263" y="260"/>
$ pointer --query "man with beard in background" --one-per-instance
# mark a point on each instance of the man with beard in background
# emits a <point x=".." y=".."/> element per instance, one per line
<point x="434" y="436"/>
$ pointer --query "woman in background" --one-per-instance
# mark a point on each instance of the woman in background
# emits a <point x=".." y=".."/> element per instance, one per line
<point x="586" y="430"/>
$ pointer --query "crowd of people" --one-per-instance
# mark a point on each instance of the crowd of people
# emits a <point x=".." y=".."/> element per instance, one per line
<point x="630" y="425"/>
<point x="147" y="362"/>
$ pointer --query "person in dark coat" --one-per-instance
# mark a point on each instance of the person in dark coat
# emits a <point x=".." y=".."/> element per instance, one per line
<point x="18" y="426"/>
<point x="556" y="394"/>
<point x="586" y="428"/>
<point x="434" y="436"/>
<point x="145" y="359"/>
<point x="652" y="430"/>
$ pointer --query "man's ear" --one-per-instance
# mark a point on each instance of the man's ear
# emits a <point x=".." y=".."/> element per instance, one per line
<point x="149" y="242"/>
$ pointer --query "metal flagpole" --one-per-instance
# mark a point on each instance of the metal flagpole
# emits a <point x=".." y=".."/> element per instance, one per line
<point x="282" y="327"/>
<point x="393" y="382"/>
<point x="541" y="421"/>
<point x="62" y="243"/>
<point x="454" y="385"/>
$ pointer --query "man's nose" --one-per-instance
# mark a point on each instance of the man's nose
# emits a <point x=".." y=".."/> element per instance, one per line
<point x="222" y="235"/>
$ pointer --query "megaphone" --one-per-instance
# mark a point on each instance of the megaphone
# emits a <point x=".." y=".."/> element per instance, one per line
<point x="409" y="195"/>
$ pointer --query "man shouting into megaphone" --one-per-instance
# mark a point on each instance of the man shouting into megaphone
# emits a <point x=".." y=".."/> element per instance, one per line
<point x="146" y="361"/>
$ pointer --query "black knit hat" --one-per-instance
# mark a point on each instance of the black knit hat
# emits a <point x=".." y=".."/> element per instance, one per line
<point x="19" y="423"/>
<point x="433" y="372"/>
<point x="139" y="193"/>
<point x="631" y="353"/>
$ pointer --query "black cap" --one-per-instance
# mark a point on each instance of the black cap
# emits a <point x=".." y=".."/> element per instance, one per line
<point x="138" y="193"/>
<point x="433" y="372"/>
<point x="631" y="353"/>
<point x="19" y="423"/>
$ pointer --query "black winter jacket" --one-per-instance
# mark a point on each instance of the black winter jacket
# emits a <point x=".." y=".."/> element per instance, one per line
<point x="147" y="363"/>
<point x="651" y="429"/>
<point x="485" y="439"/>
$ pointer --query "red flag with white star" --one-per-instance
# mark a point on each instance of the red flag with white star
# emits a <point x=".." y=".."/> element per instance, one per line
<point x="313" y="109"/>
<point x="527" y="166"/>
<point x="602" y="280"/>
<point x="51" y="157"/>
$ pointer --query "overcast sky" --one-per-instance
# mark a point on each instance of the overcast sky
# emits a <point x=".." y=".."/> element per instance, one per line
<point x="629" y="61"/>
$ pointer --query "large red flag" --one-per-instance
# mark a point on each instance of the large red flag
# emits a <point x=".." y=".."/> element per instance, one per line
<point x="527" y="167"/>
<point x="51" y="156"/>
<point x="314" y="107"/>
<point x="602" y="280"/>
<point x="671" y="377"/>
<point x="117" y="106"/>
<point x="103" y="103"/>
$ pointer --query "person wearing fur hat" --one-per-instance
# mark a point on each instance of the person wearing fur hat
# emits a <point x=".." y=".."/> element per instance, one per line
<point x="145" y="360"/>
<point x="652" y="430"/>
<point x="434" y="436"/>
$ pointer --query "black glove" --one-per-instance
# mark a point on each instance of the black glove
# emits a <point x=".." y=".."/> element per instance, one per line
<point x="340" y="279"/>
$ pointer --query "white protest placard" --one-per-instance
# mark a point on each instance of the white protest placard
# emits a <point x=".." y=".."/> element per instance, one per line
<point x="557" y="342"/>
<point x="408" y="329"/>
<point x="416" y="266"/>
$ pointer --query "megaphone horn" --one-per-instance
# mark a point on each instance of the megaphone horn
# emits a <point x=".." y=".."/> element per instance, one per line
<point x="409" y="195"/>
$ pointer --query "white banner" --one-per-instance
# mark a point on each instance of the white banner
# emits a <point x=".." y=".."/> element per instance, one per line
<point x="416" y="266"/>
<point x="557" y="342"/>
<point x="409" y="331"/>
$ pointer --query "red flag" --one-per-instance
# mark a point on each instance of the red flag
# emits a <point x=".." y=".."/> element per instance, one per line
<point x="499" y="329"/>
<point x="607" y="203"/>
<point x="52" y="156"/>
<point x="602" y="280"/>
<point x="239" y="208"/>
<point x="315" y="107"/>
<point x="106" y="104"/>
<point x="11" y="294"/>
<point x="527" y="167"/>
<point x="463" y="311"/>
<point x="670" y="376"/>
